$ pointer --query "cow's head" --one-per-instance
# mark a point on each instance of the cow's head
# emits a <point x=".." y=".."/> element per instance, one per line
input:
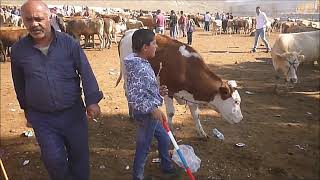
<point x="227" y="101"/>
<point x="288" y="64"/>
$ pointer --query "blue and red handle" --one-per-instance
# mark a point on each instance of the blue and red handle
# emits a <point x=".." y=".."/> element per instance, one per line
<point x="174" y="142"/>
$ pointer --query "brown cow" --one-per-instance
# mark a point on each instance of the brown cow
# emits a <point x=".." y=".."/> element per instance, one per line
<point x="148" y="21"/>
<point x="115" y="17"/>
<point x="109" y="31"/>
<point x="10" y="35"/>
<point x="286" y="25"/>
<point x="87" y="27"/>
<point x="134" y="24"/>
<point x="188" y="78"/>
<point x="297" y="29"/>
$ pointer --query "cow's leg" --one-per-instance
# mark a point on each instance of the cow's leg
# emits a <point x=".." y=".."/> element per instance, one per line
<point x="115" y="38"/>
<point x="94" y="45"/>
<point x="109" y="41"/>
<point x="102" y="41"/>
<point x="276" y="85"/>
<point x="194" y="109"/>
<point x="168" y="101"/>
<point x="85" y="41"/>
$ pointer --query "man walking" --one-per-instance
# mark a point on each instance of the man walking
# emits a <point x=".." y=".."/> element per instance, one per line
<point x="261" y="25"/>
<point x="207" y="19"/>
<point x="47" y="68"/>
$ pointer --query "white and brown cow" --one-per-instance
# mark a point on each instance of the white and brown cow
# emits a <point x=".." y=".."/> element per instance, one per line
<point x="216" y="27"/>
<point x="290" y="50"/>
<point x="189" y="80"/>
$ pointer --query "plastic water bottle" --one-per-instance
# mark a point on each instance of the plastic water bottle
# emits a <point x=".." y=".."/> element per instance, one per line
<point x="218" y="134"/>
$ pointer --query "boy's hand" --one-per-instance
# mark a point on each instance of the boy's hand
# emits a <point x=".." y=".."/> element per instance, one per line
<point x="163" y="90"/>
<point x="159" y="115"/>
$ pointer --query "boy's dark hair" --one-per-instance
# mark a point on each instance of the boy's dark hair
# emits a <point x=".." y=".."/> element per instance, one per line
<point x="141" y="37"/>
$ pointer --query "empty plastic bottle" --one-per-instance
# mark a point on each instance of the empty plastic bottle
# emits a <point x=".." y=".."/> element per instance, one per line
<point x="218" y="134"/>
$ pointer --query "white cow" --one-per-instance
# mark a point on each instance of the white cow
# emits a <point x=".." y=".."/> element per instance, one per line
<point x="290" y="50"/>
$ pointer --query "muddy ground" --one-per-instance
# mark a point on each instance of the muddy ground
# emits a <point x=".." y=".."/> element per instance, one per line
<point x="281" y="132"/>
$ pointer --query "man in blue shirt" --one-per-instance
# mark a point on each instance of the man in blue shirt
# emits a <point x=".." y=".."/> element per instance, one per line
<point x="47" y="68"/>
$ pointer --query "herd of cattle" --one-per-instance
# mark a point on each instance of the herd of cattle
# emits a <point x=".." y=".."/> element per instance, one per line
<point x="107" y="26"/>
<point x="298" y="42"/>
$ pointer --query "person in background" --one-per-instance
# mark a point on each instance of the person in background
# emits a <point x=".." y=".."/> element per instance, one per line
<point x="182" y="23"/>
<point x="55" y="22"/>
<point x="190" y="29"/>
<point x="217" y="16"/>
<point x="173" y="25"/>
<point x="15" y="11"/>
<point x="86" y="12"/>
<point x="160" y="22"/>
<point x="207" y="19"/>
<point x="261" y="25"/>
<point x="47" y="69"/>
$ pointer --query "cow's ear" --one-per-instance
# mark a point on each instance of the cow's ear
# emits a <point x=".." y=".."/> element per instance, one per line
<point x="301" y="58"/>
<point x="224" y="92"/>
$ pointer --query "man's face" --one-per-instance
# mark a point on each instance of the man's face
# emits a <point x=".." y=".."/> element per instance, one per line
<point x="258" y="11"/>
<point x="36" y="19"/>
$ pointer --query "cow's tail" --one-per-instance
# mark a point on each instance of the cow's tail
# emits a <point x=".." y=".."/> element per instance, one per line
<point x="120" y="75"/>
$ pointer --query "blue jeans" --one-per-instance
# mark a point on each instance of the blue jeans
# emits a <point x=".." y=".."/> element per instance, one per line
<point x="189" y="37"/>
<point x="206" y="26"/>
<point x="173" y="31"/>
<point x="63" y="140"/>
<point x="261" y="33"/>
<point x="147" y="128"/>
<point x="160" y="30"/>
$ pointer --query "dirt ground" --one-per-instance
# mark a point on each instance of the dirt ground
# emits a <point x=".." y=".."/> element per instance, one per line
<point x="281" y="132"/>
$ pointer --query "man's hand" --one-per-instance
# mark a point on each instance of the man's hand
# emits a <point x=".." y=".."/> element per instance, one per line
<point x="163" y="90"/>
<point x="159" y="115"/>
<point x="93" y="111"/>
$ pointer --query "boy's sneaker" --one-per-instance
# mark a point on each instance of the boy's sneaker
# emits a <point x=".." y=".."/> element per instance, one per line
<point x="253" y="50"/>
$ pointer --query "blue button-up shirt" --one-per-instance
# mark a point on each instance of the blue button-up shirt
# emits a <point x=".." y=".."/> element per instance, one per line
<point x="49" y="83"/>
<point x="142" y="88"/>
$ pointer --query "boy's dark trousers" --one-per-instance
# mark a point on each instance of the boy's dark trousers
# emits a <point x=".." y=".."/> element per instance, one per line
<point x="148" y="127"/>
